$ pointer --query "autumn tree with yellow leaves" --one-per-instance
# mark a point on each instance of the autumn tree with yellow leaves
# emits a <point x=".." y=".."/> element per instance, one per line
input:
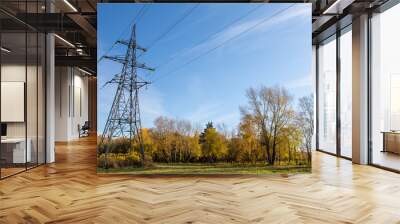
<point x="270" y="132"/>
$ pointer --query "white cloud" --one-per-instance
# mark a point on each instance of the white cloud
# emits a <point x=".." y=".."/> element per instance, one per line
<point x="260" y="24"/>
<point x="293" y="13"/>
<point x="151" y="105"/>
<point x="302" y="82"/>
<point x="105" y="99"/>
<point x="229" y="119"/>
<point x="203" y="113"/>
<point x="215" y="113"/>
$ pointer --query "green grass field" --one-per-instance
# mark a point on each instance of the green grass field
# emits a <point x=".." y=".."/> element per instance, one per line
<point x="198" y="168"/>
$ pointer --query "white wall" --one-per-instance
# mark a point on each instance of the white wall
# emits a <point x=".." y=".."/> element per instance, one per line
<point x="81" y="94"/>
<point x="61" y="104"/>
<point x="71" y="94"/>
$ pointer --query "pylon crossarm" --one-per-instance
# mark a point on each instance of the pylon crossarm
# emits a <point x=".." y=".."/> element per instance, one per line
<point x="115" y="79"/>
<point x="128" y="62"/>
<point x="134" y="45"/>
<point x="124" y="42"/>
<point x="119" y="59"/>
<point x="143" y="66"/>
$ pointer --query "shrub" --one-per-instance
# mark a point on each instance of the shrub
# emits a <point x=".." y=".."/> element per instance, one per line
<point x="119" y="160"/>
<point x="119" y="145"/>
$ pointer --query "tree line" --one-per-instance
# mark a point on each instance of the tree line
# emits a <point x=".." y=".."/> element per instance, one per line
<point x="270" y="132"/>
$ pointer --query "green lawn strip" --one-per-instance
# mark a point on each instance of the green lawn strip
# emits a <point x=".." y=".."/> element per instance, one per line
<point x="206" y="169"/>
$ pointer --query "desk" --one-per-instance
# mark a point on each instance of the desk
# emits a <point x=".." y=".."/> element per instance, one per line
<point x="391" y="141"/>
<point x="13" y="150"/>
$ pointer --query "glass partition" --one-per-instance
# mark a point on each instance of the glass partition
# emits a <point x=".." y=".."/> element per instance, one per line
<point x="327" y="95"/>
<point x="13" y="113"/>
<point x="22" y="88"/>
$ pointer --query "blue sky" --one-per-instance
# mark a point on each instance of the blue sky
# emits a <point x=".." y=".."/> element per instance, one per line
<point x="276" y="51"/>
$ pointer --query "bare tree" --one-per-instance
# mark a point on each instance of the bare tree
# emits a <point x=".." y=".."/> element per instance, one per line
<point x="306" y="122"/>
<point x="183" y="127"/>
<point x="272" y="111"/>
<point x="224" y="130"/>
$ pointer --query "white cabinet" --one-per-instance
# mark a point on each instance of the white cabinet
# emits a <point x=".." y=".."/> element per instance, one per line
<point x="19" y="155"/>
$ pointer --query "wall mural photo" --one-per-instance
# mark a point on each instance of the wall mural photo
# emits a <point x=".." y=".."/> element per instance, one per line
<point x="205" y="88"/>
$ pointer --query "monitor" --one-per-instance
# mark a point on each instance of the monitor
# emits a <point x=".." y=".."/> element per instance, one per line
<point x="3" y="129"/>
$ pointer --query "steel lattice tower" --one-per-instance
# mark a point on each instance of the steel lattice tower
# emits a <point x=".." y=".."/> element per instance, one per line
<point x="123" y="120"/>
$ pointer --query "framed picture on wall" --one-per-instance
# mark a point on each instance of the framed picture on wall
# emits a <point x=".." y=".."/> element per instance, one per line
<point x="12" y="101"/>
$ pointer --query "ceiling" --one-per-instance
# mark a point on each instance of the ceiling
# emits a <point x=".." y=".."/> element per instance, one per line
<point x="75" y="22"/>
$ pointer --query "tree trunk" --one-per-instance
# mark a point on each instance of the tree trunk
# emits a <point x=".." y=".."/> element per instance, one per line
<point x="273" y="152"/>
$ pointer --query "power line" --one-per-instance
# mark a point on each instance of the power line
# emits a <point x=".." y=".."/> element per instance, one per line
<point x="212" y="35"/>
<point x="170" y="28"/>
<point x="136" y="19"/>
<point x="224" y="42"/>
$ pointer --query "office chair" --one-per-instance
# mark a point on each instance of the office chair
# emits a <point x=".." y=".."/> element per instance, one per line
<point x="84" y="130"/>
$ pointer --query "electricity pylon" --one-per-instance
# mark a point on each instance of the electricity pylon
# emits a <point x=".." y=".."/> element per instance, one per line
<point x="123" y="120"/>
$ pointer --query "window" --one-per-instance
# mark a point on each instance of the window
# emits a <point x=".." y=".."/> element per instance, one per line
<point x="385" y="88"/>
<point x="327" y="95"/>
<point x="346" y="92"/>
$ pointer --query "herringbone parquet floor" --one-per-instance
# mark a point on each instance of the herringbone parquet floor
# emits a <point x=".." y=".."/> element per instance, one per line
<point x="70" y="191"/>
